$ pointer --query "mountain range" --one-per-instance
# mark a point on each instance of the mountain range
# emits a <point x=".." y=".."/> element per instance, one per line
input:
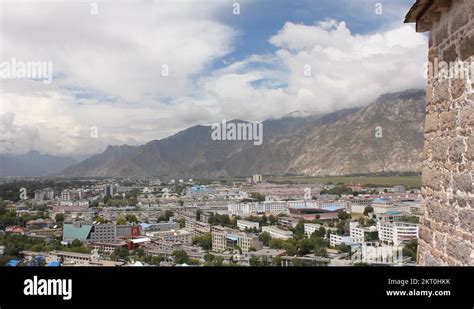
<point x="32" y="163"/>
<point x="384" y="136"/>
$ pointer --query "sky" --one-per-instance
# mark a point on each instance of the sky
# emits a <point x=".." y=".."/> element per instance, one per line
<point x="131" y="71"/>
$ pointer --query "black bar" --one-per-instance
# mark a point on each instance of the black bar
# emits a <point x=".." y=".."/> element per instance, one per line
<point x="240" y="285"/>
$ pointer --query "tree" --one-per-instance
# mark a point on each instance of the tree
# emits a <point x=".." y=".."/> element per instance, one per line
<point x="76" y="243"/>
<point x="121" y="221"/>
<point x="298" y="230"/>
<point x="305" y="246"/>
<point x="368" y="210"/>
<point x="181" y="222"/>
<point x="258" y="196"/>
<point x="131" y="218"/>
<point x="120" y="254"/>
<point x="297" y="262"/>
<point x="265" y="238"/>
<point x="321" y="232"/>
<point x="255" y="261"/>
<point x="371" y="236"/>
<point x="342" y="215"/>
<point x="59" y="218"/>
<point x="277" y="261"/>
<point x="198" y="214"/>
<point x="166" y="216"/>
<point x="410" y="249"/>
<point x="343" y="248"/>
<point x="180" y="257"/>
<point x="100" y="219"/>
<point x="204" y="241"/>
<point x="273" y="220"/>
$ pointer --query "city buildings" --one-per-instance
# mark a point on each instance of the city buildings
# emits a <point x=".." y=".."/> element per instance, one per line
<point x="228" y="239"/>
<point x="89" y="232"/>
<point x="245" y="224"/>
<point x="397" y="232"/>
<point x="275" y="232"/>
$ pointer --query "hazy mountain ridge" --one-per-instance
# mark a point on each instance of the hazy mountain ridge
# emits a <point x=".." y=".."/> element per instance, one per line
<point x="338" y="143"/>
<point x="32" y="163"/>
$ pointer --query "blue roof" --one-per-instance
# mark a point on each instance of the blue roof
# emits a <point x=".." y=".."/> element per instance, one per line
<point x="232" y="237"/>
<point x="392" y="212"/>
<point x="53" y="264"/>
<point x="13" y="263"/>
<point x="380" y="200"/>
<point x="332" y="207"/>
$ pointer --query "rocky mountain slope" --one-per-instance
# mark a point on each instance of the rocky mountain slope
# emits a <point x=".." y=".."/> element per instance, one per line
<point x="385" y="136"/>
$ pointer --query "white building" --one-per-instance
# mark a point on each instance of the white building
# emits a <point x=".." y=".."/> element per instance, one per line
<point x="357" y="233"/>
<point x="336" y="240"/>
<point x="257" y="178"/>
<point x="310" y="228"/>
<point x="397" y="232"/>
<point x="245" y="224"/>
<point x="182" y="236"/>
<point x="240" y="209"/>
<point x="65" y="196"/>
<point x="277" y="233"/>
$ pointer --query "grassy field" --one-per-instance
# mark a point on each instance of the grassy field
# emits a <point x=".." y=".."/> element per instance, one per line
<point x="407" y="181"/>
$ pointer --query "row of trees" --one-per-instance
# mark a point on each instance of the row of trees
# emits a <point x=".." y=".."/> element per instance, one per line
<point x="8" y="217"/>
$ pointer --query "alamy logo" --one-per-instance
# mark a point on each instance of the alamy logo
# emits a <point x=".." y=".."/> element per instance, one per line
<point x="35" y="286"/>
<point x="383" y="254"/>
<point x="237" y="131"/>
<point x="33" y="70"/>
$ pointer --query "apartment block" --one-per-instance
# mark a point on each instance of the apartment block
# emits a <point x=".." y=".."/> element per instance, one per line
<point x="225" y="238"/>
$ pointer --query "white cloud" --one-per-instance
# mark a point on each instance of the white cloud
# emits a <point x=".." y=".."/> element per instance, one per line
<point x="108" y="72"/>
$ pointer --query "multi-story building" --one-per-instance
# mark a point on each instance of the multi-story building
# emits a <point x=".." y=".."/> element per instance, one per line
<point x="257" y="178"/>
<point x="183" y="236"/>
<point x="89" y="232"/>
<point x="197" y="227"/>
<point x="310" y="228"/>
<point x="275" y="207"/>
<point x="109" y="190"/>
<point x="335" y="240"/>
<point x="397" y="232"/>
<point x="287" y="221"/>
<point x="225" y="238"/>
<point x="65" y="196"/>
<point x="275" y="232"/>
<point x="39" y="195"/>
<point x="107" y="248"/>
<point x="245" y="224"/>
<point x="357" y="233"/>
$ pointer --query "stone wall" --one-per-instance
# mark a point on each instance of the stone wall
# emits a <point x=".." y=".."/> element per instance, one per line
<point x="447" y="220"/>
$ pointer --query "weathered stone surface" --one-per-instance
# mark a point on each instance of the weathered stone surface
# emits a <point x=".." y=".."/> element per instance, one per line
<point x="432" y="178"/>
<point x="441" y="91"/>
<point x="446" y="230"/>
<point x="440" y="148"/>
<point x="440" y="213"/>
<point x="431" y="122"/>
<point x="456" y="149"/>
<point x="448" y="120"/>
<point x="459" y="250"/>
<point x="459" y="20"/>
<point x="457" y="87"/>
<point x="470" y="148"/>
<point x="425" y="234"/>
<point x="466" y="218"/>
<point x="466" y="116"/>
<point x="462" y="182"/>
<point x="449" y="54"/>
<point x="466" y="47"/>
